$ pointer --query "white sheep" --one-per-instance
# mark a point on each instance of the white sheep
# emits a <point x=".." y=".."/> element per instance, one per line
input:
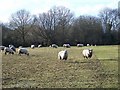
<point x="54" y="46"/>
<point x="10" y="45"/>
<point x="63" y="55"/>
<point x="32" y="46"/>
<point x="66" y="45"/>
<point x="13" y="48"/>
<point x="80" y="45"/>
<point x="23" y="51"/>
<point x="2" y="48"/>
<point x="87" y="53"/>
<point x="88" y="44"/>
<point x="20" y="47"/>
<point x="39" y="46"/>
<point x="8" y="50"/>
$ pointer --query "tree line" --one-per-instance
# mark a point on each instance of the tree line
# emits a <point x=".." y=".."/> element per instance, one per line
<point x="59" y="25"/>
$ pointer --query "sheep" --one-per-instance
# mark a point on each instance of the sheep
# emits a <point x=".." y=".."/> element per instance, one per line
<point x="10" y="45"/>
<point x="63" y="55"/>
<point x="50" y="46"/>
<point x="20" y="47"/>
<point x="66" y="45"/>
<point x="2" y="48"/>
<point x="54" y="46"/>
<point x="32" y="46"/>
<point x="39" y="46"/>
<point x="87" y="53"/>
<point x="88" y="44"/>
<point x="80" y="45"/>
<point x="8" y="50"/>
<point x="13" y="48"/>
<point x="23" y="51"/>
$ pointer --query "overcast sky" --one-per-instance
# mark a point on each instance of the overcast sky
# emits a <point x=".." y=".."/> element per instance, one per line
<point x="79" y="7"/>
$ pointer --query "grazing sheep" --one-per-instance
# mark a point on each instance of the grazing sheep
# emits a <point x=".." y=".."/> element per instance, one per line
<point x="63" y="55"/>
<point x="50" y="46"/>
<point x="20" y="47"/>
<point x="39" y="46"/>
<point x="2" y="48"/>
<point x="54" y="46"/>
<point x="88" y="44"/>
<point x="66" y="45"/>
<point x="13" y="48"/>
<point x="23" y="51"/>
<point x="80" y="45"/>
<point x="87" y="53"/>
<point x="32" y="46"/>
<point x="8" y="50"/>
<point x="10" y="45"/>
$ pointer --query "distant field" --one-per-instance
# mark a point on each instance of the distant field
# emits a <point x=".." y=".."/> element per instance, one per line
<point x="42" y="69"/>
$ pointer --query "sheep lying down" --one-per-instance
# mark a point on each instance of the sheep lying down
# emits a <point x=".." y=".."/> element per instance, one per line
<point x="87" y="53"/>
<point x="63" y="55"/>
<point x="23" y="51"/>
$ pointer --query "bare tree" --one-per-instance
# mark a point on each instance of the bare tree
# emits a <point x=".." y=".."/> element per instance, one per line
<point x="54" y="23"/>
<point x="21" y="21"/>
<point x="109" y="19"/>
<point x="110" y="23"/>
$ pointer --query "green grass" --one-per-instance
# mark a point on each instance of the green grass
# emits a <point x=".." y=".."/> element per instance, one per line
<point x="42" y="69"/>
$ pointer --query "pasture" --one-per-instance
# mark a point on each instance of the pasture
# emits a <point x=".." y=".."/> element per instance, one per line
<point x="42" y="69"/>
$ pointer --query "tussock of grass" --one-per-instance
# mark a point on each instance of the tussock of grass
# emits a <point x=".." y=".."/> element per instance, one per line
<point x="43" y="69"/>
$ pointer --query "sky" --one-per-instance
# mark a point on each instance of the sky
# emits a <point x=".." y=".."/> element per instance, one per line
<point x="79" y="7"/>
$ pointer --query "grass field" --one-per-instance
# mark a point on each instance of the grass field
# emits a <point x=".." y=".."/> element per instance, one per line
<point x="42" y="69"/>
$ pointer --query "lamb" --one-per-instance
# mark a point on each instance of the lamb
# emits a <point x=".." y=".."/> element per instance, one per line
<point x="32" y="46"/>
<point x="87" y="53"/>
<point x="23" y="51"/>
<point x="63" y="55"/>
<point x="66" y="45"/>
<point x="8" y="50"/>
<point x="80" y="45"/>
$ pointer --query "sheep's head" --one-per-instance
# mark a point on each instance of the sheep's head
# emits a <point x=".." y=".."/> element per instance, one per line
<point x="90" y="52"/>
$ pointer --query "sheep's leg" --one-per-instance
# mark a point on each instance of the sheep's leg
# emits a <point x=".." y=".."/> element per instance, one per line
<point x="65" y="58"/>
<point x="60" y="57"/>
<point x="20" y="54"/>
<point x="86" y="57"/>
<point x="27" y="54"/>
